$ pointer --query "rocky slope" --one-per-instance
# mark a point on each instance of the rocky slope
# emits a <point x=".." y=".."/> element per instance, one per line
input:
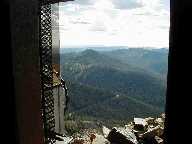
<point x="139" y="131"/>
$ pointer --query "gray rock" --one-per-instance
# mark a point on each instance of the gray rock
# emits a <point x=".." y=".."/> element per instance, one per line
<point x="140" y="124"/>
<point x="152" y="132"/>
<point x="122" y="136"/>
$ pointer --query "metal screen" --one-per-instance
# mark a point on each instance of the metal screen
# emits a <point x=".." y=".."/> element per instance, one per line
<point x="47" y="73"/>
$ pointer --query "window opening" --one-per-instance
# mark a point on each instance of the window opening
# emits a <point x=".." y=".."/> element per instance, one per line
<point x="114" y="58"/>
<point x="111" y="82"/>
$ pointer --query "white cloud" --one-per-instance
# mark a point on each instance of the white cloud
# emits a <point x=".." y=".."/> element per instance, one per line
<point x="106" y="22"/>
<point x="127" y="4"/>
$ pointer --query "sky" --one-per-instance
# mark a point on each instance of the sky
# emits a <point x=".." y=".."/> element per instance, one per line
<point x="132" y="23"/>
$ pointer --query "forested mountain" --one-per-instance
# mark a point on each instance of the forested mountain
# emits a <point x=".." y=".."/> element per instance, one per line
<point x="116" y="84"/>
<point x="155" y="60"/>
<point x="104" y="105"/>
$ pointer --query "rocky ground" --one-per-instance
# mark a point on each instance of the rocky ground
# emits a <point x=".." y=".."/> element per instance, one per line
<point x="139" y="131"/>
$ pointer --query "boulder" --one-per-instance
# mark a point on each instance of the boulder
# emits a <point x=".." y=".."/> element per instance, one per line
<point x="159" y="121"/>
<point x="150" y="120"/>
<point x="163" y="116"/>
<point x="140" y="124"/>
<point x="106" y="131"/>
<point x="122" y="136"/>
<point x="152" y="132"/>
<point x="99" y="139"/>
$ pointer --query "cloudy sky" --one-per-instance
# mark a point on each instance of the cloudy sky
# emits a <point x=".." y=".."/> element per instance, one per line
<point x="133" y="23"/>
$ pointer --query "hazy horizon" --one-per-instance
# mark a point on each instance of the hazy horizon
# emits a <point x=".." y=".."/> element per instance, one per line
<point x="104" y="46"/>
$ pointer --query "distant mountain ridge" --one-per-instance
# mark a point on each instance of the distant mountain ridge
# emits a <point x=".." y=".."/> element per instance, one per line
<point x="155" y="60"/>
<point x="105" y="48"/>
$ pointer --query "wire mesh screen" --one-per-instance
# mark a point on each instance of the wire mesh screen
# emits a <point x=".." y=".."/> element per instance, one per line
<point x="47" y="73"/>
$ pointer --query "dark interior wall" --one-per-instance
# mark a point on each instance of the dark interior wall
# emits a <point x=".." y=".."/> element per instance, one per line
<point x="26" y="71"/>
<point x="8" y="112"/>
<point x="178" y="108"/>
